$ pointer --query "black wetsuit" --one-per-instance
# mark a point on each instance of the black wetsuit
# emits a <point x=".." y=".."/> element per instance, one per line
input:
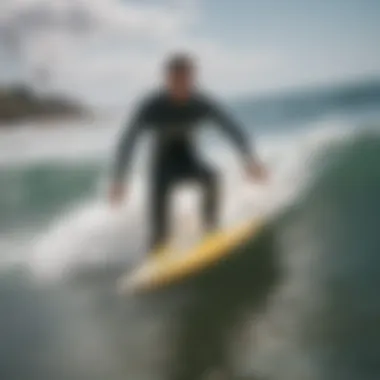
<point x="175" y="157"/>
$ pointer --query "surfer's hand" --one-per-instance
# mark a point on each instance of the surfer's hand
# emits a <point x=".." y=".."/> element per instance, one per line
<point x="256" y="171"/>
<point x="116" y="194"/>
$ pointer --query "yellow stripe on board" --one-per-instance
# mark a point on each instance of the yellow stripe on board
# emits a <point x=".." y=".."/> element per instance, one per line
<point x="170" y="266"/>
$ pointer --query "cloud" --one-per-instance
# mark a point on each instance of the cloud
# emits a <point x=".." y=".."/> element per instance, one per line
<point x="41" y="30"/>
<point x="47" y="27"/>
<point x="113" y="48"/>
<point x="77" y="17"/>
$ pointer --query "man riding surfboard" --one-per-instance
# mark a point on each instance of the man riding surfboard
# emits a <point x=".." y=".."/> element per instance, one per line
<point x="173" y="114"/>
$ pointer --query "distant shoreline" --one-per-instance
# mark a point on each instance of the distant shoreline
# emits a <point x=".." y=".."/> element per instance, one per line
<point x="18" y="104"/>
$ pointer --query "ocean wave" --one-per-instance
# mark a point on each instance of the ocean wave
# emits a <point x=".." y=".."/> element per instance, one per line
<point x="308" y="282"/>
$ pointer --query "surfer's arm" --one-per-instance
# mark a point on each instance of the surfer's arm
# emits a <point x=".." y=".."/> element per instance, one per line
<point x="232" y="130"/>
<point x="127" y="143"/>
<point x="251" y="162"/>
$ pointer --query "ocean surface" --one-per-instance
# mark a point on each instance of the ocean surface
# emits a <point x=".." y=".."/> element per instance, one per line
<point x="299" y="301"/>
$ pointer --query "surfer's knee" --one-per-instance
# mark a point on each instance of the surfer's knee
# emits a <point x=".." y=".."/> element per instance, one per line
<point x="210" y="179"/>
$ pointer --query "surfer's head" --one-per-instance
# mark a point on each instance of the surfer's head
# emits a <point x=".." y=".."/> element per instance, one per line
<point x="180" y="75"/>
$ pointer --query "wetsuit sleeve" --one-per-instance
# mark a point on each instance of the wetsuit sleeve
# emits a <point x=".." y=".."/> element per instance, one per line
<point x="128" y="141"/>
<point x="231" y="129"/>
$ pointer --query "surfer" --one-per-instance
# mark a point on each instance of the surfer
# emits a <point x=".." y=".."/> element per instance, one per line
<point x="173" y="114"/>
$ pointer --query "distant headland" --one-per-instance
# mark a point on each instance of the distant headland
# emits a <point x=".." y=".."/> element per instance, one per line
<point x="23" y="103"/>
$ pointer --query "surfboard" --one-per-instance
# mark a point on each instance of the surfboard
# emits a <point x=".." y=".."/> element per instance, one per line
<point x="169" y="266"/>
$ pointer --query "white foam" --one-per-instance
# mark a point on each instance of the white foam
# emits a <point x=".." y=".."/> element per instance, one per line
<point x="95" y="233"/>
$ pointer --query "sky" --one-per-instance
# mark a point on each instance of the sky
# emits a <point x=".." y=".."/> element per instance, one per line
<point x="107" y="51"/>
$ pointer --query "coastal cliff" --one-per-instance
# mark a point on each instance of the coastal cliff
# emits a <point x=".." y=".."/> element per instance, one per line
<point x="22" y="103"/>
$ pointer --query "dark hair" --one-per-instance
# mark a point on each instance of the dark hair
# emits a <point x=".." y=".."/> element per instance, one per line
<point x="179" y="62"/>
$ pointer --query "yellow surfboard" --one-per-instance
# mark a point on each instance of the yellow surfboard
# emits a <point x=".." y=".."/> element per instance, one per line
<point x="170" y="266"/>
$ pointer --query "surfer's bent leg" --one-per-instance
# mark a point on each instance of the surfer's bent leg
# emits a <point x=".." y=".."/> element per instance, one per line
<point x="208" y="179"/>
<point x="159" y="210"/>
